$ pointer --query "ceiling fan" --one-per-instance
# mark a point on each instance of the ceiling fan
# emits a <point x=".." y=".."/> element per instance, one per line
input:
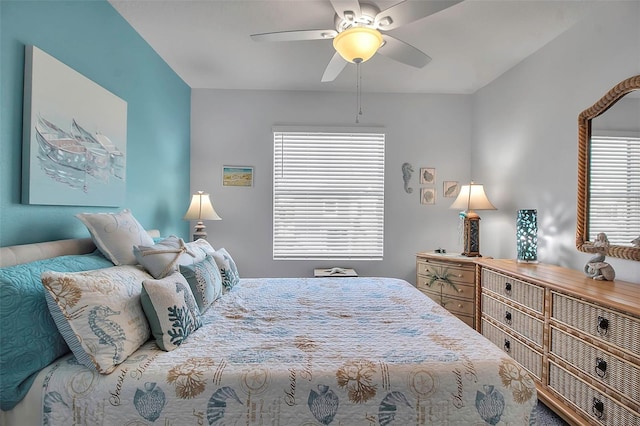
<point x="360" y="33"/>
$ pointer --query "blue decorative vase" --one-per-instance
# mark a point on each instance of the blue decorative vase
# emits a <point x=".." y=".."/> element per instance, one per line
<point x="527" y="236"/>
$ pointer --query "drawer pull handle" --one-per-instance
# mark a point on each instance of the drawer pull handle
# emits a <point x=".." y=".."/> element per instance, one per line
<point x="507" y="288"/>
<point x="597" y="408"/>
<point x="601" y="368"/>
<point x="603" y="326"/>
<point x="507" y="345"/>
<point x="507" y="317"/>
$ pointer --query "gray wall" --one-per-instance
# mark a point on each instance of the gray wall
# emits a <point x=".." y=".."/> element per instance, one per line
<point x="525" y="131"/>
<point x="234" y="128"/>
<point x="520" y="131"/>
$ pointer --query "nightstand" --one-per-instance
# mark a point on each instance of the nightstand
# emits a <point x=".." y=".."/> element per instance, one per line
<point x="450" y="280"/>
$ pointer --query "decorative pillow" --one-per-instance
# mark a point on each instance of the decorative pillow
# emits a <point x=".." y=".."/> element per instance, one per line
<point x="30" y="339"/>
<point x="171" y="310"/>
<point x="163" y="258"/>
<point x="115" y="234"/>
<point x="205" y="281"/>
<point x="99" y="313"/>
<point x="228" y="269"/>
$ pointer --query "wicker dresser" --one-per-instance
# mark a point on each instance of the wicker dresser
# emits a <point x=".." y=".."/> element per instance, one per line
<point x="450" y="280"/>
<point x="579" y="338"/>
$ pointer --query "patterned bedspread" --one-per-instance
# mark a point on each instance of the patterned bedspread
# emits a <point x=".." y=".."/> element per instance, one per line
<point x="317" y="351"/>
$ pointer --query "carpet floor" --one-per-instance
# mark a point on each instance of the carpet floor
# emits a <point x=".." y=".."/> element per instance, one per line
<point x="546" y="417"/>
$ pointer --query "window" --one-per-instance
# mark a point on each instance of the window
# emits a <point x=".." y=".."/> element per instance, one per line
<point x="328" y="195"/>
<point x="615" y="188"/>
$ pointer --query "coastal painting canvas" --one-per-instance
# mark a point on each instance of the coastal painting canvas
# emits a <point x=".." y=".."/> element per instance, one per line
<point x="74" y="137"/>
<point x="237" y="176"/>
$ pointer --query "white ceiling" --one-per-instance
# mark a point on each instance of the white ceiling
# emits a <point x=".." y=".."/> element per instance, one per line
<point x="207" y="43"/>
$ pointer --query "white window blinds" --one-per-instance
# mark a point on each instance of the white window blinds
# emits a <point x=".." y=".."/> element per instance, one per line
<point x="615" y="188"/>
<point x="328" y="195"/>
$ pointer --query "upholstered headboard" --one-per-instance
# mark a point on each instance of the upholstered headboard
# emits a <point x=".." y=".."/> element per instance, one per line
<point x="15" y="255"/>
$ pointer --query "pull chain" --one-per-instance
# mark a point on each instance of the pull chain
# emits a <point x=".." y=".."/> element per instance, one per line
<point x="358" y="104"/>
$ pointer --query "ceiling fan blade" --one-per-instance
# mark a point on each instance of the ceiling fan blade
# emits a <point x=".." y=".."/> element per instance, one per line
<point x="335" y="67"/>
<point x="295" y="35"/>
<point x="347" y="9"/>
<point x="408" y="11"/>
<point x="403" y="52"/>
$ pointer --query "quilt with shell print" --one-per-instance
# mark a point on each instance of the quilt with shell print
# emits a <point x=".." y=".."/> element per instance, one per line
<point x="316" y="351"/>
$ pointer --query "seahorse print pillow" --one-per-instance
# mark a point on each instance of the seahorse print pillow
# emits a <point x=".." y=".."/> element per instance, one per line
<point x="99" y="313"/>
<point x="171" y="309"/>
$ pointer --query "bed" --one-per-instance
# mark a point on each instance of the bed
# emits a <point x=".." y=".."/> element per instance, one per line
<point x="285" y="351"/>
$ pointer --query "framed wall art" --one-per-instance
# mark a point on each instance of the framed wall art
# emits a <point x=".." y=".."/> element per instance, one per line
<point x="427" y="196"/>
<point x="450" y="189"/>
<point x="427" y="175"/>
<point x="237" y="176"/>
<point x="74" y="137"/>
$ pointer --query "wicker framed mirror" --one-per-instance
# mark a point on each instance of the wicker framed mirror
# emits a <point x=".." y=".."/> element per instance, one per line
<point x="583" y="243"/>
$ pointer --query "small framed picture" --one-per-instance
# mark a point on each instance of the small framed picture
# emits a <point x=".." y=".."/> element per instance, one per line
<point x="427" y="196"/>
<point x="237" y="176"/>
<point x="450" y="189"/>
<point x="427" y="175"/>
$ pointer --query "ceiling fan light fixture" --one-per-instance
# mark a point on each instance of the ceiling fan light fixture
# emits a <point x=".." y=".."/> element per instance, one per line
<point x="358" y="44"/>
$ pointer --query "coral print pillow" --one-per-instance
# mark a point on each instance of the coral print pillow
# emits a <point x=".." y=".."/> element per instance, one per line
<point x="171" y="310"/>
<point x="228" y="269"/>
<point x="99" y="313"/>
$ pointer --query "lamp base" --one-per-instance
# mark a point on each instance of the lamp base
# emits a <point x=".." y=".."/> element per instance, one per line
<point x="199" y="231"/>
<point x="471" y="235"/>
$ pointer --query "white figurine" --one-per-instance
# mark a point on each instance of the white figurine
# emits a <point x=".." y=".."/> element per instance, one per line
<point x="596" y="267"/>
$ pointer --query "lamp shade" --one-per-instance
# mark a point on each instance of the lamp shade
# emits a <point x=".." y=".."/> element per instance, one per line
<point x="358" y="44"/>
<point x="472" y="197"/>
<point x="201" y="208"/>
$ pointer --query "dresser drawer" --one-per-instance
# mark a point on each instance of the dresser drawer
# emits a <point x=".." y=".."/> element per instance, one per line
<point x="513" y="319"/>
<point x="458" y="306"/>
<point x="522" y="292"/>
<point x="615" y="328"/>
<point x="467" y="319"/>
<point x="602" y="366"/>
<point x="453" y="271"/>
<point x="594" y="404"/>
<point x="464" y="291"/>
<point x="521" y="353"/>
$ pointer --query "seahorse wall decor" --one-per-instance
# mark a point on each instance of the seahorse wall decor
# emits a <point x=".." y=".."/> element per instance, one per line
<point x="407" y="170"/>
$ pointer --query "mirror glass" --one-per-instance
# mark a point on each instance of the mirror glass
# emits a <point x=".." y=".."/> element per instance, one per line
<point x="608" y="175"/>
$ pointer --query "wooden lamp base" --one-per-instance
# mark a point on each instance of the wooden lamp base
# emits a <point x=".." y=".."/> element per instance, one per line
<point x="471" y="235"/>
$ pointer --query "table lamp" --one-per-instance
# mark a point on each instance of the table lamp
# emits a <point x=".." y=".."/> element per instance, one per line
<point x="201" y="209"/>
<point x="470" y="198"/>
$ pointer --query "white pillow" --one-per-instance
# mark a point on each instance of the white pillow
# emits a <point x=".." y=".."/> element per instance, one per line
<point x="171" y="310"/>
<point x="99" y="313"/>
<point x="115" y="234"/>
<point x="163" y="258"/>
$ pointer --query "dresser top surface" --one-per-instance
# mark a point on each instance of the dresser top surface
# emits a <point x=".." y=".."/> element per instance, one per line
<point x="457" y="257"/>
<point x="617" y="294"/>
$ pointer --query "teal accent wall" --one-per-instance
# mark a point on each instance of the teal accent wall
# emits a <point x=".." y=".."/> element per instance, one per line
<point x="93" y="39"/>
